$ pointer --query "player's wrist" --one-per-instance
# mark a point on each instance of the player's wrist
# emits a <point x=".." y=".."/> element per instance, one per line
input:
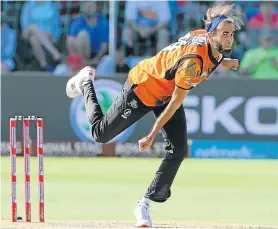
<point x="151" y="135"/>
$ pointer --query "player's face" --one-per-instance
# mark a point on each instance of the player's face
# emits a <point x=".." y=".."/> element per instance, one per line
<point x="224" y="38"/>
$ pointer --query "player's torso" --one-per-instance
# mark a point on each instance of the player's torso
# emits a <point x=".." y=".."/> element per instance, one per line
<point x="155" y="76"/>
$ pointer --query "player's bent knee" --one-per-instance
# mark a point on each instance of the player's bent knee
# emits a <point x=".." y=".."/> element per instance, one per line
<point x="161" y="196"/>
<point x="182" y="154"/>
<point x="101" y="138"/>
<point x="177" y="155"/>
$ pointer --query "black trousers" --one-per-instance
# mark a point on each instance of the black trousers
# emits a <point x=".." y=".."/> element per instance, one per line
<point x="126" y="110"/>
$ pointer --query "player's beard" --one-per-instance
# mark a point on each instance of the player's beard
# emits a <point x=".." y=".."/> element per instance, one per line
<point x="219" y="48"/>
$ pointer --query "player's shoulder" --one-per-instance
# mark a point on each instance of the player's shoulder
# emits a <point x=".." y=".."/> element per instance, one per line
<point x="194" y="33"/>
<point x="198" y="32"/>
<point x="195" y="38"/>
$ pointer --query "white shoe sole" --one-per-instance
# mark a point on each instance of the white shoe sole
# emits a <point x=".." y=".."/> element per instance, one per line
<point x="72" y="89"/>
<point x="143" y="225"/>
<point x="140" y="223"/>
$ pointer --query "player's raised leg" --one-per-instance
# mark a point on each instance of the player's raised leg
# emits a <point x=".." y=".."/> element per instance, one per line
<point x="125" y="110"/>
<point x="75" y="84"/>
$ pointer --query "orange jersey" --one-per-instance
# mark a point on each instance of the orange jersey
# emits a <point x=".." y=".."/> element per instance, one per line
<point x="184" y="64"/>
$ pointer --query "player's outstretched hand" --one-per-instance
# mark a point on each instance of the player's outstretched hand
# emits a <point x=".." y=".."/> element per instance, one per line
<point x="145" y="143"/>
<point x="228" y="63"/>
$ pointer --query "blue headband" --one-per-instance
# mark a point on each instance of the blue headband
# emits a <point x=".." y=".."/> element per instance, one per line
<point x="215" y="22"/>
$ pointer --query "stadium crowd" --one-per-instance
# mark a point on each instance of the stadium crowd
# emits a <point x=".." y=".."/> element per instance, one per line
<point x="63" y="36"/>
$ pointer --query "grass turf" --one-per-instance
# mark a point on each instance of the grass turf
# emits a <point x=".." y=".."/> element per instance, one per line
<point x="205" y="191"/>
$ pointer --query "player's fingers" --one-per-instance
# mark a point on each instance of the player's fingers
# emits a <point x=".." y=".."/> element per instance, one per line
<point x="141" y="141"/>
<point x="145" y="146"/>
<point x="141" y="146"/>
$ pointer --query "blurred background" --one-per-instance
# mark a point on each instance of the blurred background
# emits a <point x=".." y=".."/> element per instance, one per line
<point x="60" y="37"/>
<point x="233" y="115"/>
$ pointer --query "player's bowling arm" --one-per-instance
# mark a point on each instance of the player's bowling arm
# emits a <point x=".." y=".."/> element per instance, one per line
<point x="186" y="71"/>
<point x="175" y="102"/>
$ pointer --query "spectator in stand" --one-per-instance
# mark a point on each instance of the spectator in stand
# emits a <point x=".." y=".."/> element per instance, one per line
<point x="267" y="17"/>
<point x="262" y="62"/>
<point x="69" y="7"/>
<point x="147" y="20"/>
<point x="249" y="8"/>
<point x="122" y="62"/>
<point x="69" y="10"/>
<point x="8" y="47"/>
<point x="188" y="15"/>
<point x="88" y="35"/>
<point x="263" y="16"/>
<point x="41" y="26"/>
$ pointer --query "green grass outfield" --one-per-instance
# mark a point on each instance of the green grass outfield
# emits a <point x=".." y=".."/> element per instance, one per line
<point x="241" y="192"/>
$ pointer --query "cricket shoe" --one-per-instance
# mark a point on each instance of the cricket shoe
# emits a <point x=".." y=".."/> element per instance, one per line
<point x="142" y="213"/>
<point x="75" y="84"/>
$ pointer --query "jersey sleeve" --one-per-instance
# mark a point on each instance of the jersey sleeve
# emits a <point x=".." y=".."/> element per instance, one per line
<point x="187" y="73"/>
